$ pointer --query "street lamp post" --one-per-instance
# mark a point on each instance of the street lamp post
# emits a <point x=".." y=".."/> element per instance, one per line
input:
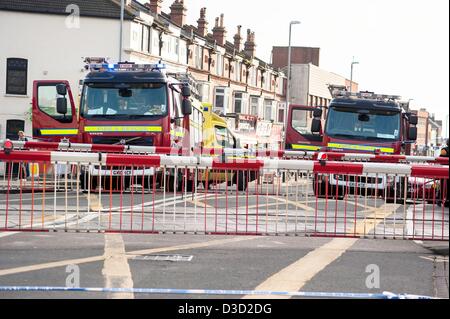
<point x="351" y="74"/>
<point x="122" y="9"/>
<point x="409" y="104"/>
<point x="288" y="93"/>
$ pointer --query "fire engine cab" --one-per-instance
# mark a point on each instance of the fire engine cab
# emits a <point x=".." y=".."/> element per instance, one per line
<point x="124" y="103"/>
<point x="361" y="122"/>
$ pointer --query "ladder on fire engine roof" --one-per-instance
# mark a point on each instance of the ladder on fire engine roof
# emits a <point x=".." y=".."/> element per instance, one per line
<point x="188" y="79"/>
<point x="94" y="64"/>
<point x="341" y="92"/>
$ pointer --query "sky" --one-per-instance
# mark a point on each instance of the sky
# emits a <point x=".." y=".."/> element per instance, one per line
<point x="402" y="46"/>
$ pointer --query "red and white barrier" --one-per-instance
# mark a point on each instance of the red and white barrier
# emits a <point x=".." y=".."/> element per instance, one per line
<point x="316" y="167"/>
<point x="215" y="195"/>
<point x="129" y="149"/>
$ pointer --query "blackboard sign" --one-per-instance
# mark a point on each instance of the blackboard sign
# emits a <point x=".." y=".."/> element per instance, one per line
<point x="16" y="76"/>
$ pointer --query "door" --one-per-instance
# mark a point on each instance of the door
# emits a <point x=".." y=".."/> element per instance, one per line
<point x="13" y="127"/>
<point x="48" y="124"/>
<point x="299" y="136"/>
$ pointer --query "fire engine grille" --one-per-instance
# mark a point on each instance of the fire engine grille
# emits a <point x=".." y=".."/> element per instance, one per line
<point x="127" y="140"/>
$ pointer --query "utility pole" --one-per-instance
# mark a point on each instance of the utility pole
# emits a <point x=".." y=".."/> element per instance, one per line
<point x="122" y="9"/>
<point x="288" y="93"/>
<point x="351" y="74"/>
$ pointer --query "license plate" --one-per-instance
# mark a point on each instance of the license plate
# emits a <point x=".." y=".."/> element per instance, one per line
<point x="124" y="172"/>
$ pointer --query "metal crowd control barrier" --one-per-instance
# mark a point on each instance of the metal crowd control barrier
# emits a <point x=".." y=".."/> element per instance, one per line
<point x="130" y="193"/>
<point x="281" y="154"/>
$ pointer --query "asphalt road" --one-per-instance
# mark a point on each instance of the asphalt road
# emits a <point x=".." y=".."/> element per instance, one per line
<point x="217" y="262"/>
<point x="289" y="209"/>
<point x="186" y="260"/>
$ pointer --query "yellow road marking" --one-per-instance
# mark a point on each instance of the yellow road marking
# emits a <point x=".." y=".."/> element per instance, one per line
<point x="95" y="204"/>
<point x="200" y="203"/>
<point x="283" y="201"/>
<point x="296" y="275"/>
<point x="116" y="270"/>
<point x="63" y="263"/>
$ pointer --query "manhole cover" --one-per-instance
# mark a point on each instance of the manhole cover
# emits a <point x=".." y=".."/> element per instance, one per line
<point x="173" y="258"/>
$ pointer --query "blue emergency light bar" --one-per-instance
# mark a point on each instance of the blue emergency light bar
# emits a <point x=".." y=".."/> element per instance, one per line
<point x="129" y="67"/>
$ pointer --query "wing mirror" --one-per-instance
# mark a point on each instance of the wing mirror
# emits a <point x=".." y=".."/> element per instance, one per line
<point x="186" y="107"/>
<point x="61" y="89"/>
<point x="61" y="105"/>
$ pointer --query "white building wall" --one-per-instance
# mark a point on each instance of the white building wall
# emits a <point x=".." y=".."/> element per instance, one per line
<point x="319" y="80"/>
<point x="308" y="79"/>
<point x="299" y="84"/>
<point x="54" y="52"/>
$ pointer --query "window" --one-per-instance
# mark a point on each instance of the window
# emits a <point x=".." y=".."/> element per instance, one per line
<point x="280" y="115"/>
<point x="268" y="110"/>
<point x="13" y="127"/>
<point x="375" y="125"/>
<point x="176" y="105"/>
<point x="198" y="57"/>
<point x="220" y="99"/>
<point x="16" y="76"/>
<point x="300" y="121"/>
<point x="237" y="71"/>
<point x="139" y="101"/>
<point x="155" y="42"/>
<point x="254" y="103"/>
<point x="252" y="76"/>
<point x="224" y="137"/>
<point x="219" y="65"/>
<point x="145" y="39"/>
<point x="47" y="96"/>
<point x="240" y="103"/>
<point x="177" y="46"/>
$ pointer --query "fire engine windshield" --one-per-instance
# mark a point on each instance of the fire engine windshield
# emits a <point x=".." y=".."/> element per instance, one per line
<point x="136" y="100"/>
<point x="363" y="124"/>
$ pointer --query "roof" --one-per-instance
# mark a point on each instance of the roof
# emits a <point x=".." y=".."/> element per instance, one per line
<point x="88" y="8"/>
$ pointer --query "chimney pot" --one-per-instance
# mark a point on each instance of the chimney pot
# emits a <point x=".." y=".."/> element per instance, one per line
<point x="178" y="12"/>
<point x="202" y="23"/>
<point x="250" y="45"/>
<point x="155" y="6"/>
<point x="238" y="39"/>
<point x="219" y="31"/>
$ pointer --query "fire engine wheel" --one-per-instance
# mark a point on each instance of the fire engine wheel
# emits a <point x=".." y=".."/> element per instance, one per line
<point x="84" y="183"/>
<point x="241" y="181"/>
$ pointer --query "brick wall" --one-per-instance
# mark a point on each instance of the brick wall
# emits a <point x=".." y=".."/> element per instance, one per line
<point x="299" y="55"/>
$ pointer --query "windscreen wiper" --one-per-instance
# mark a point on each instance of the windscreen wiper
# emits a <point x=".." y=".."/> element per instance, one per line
<point x="128" y="141"/>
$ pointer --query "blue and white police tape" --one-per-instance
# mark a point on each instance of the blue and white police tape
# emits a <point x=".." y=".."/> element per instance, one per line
<point x="384" y="295"/>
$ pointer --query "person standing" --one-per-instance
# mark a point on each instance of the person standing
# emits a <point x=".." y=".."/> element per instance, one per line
<point x="445" y="183"/>
<point x="24" y="172"/>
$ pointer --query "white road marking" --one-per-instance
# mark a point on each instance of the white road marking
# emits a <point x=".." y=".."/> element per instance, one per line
<point x="64" y="263"/>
